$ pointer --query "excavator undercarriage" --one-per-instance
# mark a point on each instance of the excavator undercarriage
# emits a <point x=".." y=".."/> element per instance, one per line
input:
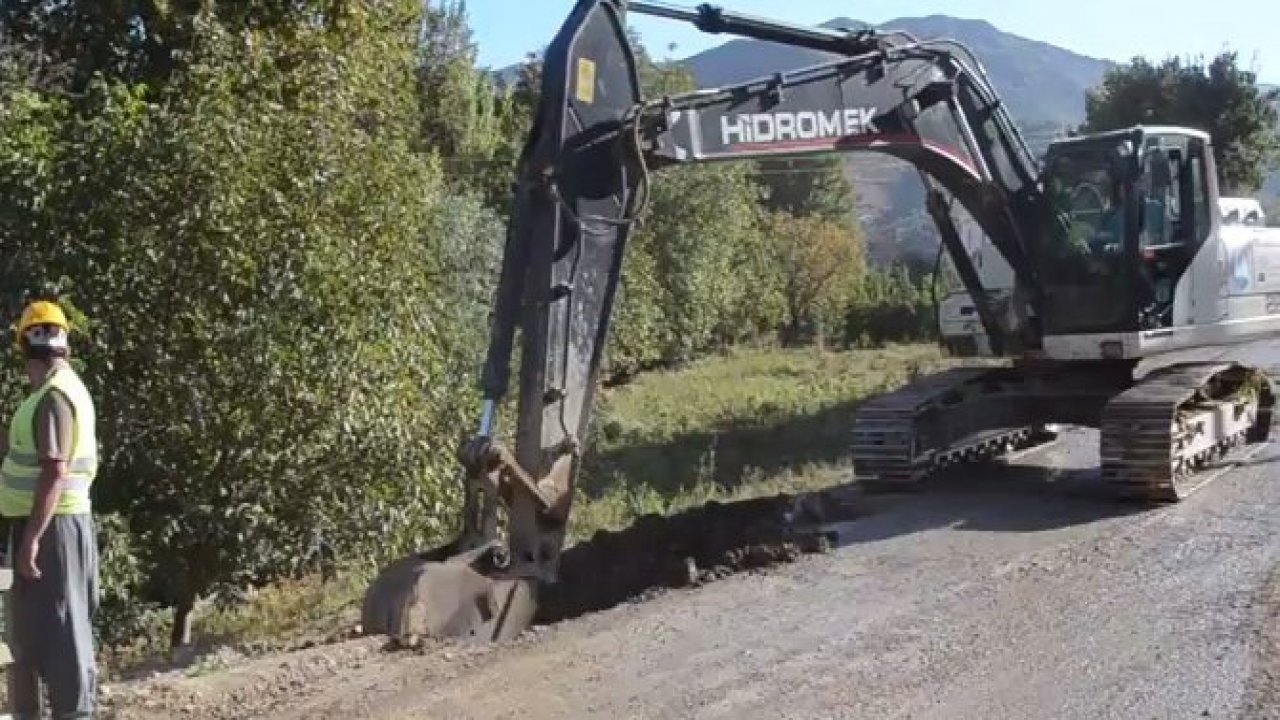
<point x="1159" y="435"/>
<point x="1079" y="317"/>
<point x="1160" y="438"/>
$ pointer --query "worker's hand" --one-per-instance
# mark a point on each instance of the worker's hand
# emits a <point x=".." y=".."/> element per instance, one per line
<point x="27" y="560"/>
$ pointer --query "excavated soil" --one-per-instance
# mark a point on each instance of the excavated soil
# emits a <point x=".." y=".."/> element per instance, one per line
<point x="692" y="548"/>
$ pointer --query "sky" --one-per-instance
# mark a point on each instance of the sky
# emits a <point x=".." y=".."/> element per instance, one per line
<point x="1112" y="29"/>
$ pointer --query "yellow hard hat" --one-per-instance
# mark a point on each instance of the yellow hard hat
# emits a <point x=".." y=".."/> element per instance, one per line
<point x="43" y="312"/>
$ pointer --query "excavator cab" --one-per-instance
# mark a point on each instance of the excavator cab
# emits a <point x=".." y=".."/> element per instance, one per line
<point x="1125" y="213"/>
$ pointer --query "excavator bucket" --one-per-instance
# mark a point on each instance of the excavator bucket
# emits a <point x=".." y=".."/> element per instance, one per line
<point x="419" y="596"/>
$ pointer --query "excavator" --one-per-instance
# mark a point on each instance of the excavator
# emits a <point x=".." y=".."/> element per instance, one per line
<point x="1108" y="249"/>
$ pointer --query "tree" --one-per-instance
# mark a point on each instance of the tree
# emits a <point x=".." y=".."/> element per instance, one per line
<point x="1219" y="97"/>
<point x="147" y="41"/>
<point x="658" y="79"/>
<point x="890" y="306"/>
<point x="516" y="108"/>
<point x="807" y="187"/>
<point x="308" y="323"/>
<point x="820" y="265"/>
<point x="692" y="267"/>
<point x="465" y="118"/>
<point x="694" y="273"/>
<point x="255" y="263"/>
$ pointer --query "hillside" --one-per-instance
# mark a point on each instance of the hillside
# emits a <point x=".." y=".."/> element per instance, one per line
<point x="1042" y="83"/>
<point x="1044" y="86"/>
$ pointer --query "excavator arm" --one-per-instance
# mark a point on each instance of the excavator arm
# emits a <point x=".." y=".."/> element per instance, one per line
<point x="594" y="148"/>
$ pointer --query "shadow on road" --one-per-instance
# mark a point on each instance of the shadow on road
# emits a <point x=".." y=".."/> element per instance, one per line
<point x="1259" y="461"/>
<point x="991" y="498"/>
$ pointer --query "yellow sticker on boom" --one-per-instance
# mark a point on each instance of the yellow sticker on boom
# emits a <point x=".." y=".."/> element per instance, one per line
<point x="586" y="90"/>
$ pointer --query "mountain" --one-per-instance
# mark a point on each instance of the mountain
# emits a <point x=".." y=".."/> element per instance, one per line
<point x="1043" y="84"/>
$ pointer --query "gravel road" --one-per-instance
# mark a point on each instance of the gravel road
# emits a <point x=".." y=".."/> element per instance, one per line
<point x="1010" y="592"/>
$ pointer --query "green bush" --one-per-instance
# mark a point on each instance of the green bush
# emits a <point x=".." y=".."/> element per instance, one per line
<point x="255" y="256"/>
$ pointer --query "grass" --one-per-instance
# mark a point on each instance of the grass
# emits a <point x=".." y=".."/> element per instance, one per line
<point x="745" y="424"/>
<point x="283" y="616"/>
<point x="742" y="425"/>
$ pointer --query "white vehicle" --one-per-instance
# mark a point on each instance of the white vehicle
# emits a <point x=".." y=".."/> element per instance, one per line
<point x="1242" y="211"/>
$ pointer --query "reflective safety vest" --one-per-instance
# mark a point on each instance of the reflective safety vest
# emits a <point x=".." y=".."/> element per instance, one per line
<point x="21" y="469"/>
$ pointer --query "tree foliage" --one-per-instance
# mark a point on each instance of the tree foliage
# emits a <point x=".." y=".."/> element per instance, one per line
<point x="807" y="187"/>
<point x="464" y="118"/>
<point x="699" y="240"/>
<point x="257" y="258"/>
<point x="148" y="41"/>
<point x="820" y="266"/>
<point x="696" y="276"/>
<point x="1219" y="97"/>
<point x="890" y="306"/>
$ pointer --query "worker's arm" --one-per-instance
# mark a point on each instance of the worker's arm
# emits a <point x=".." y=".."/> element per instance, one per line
<point x="53" y="446"/>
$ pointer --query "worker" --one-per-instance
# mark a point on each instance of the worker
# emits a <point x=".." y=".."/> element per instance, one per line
<point x="50" y="462"/>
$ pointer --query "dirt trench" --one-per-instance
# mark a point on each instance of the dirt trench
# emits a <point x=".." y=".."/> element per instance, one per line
<point x="693" y="547"/>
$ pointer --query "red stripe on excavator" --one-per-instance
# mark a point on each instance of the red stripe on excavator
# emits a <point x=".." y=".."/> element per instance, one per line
<point x="946" y="151"/>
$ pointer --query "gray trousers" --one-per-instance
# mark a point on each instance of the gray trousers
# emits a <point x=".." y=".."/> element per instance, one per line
<point x="50" y="626"/>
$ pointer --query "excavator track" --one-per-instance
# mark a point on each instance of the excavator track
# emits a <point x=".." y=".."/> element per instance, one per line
<point x="901" y="437"/>
<point x="1162" y="438"/>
